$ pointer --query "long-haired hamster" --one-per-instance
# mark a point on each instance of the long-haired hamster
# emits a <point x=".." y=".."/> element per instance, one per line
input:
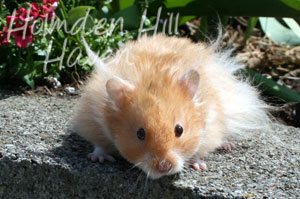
<point x="164" y="103"/>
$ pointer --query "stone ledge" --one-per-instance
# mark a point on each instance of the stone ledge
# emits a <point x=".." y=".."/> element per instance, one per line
<point x="39" y="158"/>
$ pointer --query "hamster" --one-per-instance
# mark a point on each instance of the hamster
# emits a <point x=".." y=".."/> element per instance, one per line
<point x="164" y="103"/>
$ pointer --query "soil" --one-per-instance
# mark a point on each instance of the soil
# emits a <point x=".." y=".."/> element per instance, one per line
<point x="259" y="53"/>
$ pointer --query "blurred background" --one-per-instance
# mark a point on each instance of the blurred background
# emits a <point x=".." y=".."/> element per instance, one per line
<point x="264" y="35"/>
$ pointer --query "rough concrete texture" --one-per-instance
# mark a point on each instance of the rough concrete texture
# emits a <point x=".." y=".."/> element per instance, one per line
<point x="40" y="158"/>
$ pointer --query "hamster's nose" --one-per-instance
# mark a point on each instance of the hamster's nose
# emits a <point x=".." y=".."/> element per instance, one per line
<point x="164" y="166"/>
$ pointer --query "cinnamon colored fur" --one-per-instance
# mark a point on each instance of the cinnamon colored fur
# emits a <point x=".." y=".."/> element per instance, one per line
<point x="150" y="84"/>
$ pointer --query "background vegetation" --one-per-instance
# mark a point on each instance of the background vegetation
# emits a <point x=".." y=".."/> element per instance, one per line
<point x="24" y="60"/>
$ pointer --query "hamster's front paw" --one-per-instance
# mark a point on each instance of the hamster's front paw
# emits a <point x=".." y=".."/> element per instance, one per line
<point x="200" y="164"/>
<point x="99" y="155"/>
<point x="227" y="146"/>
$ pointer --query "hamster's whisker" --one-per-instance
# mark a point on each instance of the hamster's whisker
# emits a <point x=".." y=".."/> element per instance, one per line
<point x="148" y="173"/>
<point x="146" y="180"/>
<point x="134" y="166"/>
<point x="183" y="170"/>
<point x="186" y="167"/>
<point x="138" y="179"/>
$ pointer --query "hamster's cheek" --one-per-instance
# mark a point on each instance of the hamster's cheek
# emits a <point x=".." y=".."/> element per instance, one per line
<point x="185" y="148"/>
<point x="132" y="154"/>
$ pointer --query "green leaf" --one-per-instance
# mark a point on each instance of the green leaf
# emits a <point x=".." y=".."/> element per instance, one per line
<point x="125" y="4"/>
<point x="224" y="20"/>
<point x="271" y="87"/>
<point x="251" y="25"/>
<point x="184" y="19"/>
<point x="79" y="12"/>
<point x="131" y="16"/>
<point x="252" y="8"/>
<point x="203" y="26"/>
<point x="208" y="27"/>
<point x="118" y="5"/>
<point x="4" y="14"/>
<point x="176" y="3"/>
<point x="29" y="81"/>
<point x="277" y="32"/>
<point x="292" y="3"/>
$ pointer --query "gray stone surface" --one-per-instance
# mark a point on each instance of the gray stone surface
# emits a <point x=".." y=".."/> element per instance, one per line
<point x="40" y="158"/>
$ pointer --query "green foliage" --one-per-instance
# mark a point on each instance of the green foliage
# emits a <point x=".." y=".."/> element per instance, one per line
<point x="272" y="88"/>
<point x="131" y="16"/>
<point x="271" y="8"/>
<point x="251" y="24"/>
<point x="78" y="12"/>
<point x="295" y="4"/>
<point x="28" y="64"/>
<point x="104" y="34"/>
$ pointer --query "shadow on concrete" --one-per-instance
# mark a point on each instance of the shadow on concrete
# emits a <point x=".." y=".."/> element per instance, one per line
<point x="30" y="180"/>
<point x="6" y="93"/>
<point x="110" y="180"/>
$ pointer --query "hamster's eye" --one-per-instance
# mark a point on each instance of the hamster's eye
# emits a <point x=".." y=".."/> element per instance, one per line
<point x="141" y="134"/>
<point x="178" y="130"/>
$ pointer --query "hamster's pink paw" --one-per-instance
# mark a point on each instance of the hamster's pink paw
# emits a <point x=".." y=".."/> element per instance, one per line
<point x="99" y="155"/>
<point x="199" y="165"/>
<point x="227" y="146"/>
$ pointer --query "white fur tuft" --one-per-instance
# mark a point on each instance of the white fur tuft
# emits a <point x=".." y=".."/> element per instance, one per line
<point x="244" y="111"/>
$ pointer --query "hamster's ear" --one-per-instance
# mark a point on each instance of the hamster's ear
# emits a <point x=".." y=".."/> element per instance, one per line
<point x="118" y="89"/>
<point x="189" y="82"/>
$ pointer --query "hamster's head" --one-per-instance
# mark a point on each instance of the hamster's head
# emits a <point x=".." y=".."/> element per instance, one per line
<point x="156" y="124"/>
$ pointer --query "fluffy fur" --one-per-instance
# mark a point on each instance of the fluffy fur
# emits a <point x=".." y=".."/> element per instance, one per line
<point x="153" y="83"/>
